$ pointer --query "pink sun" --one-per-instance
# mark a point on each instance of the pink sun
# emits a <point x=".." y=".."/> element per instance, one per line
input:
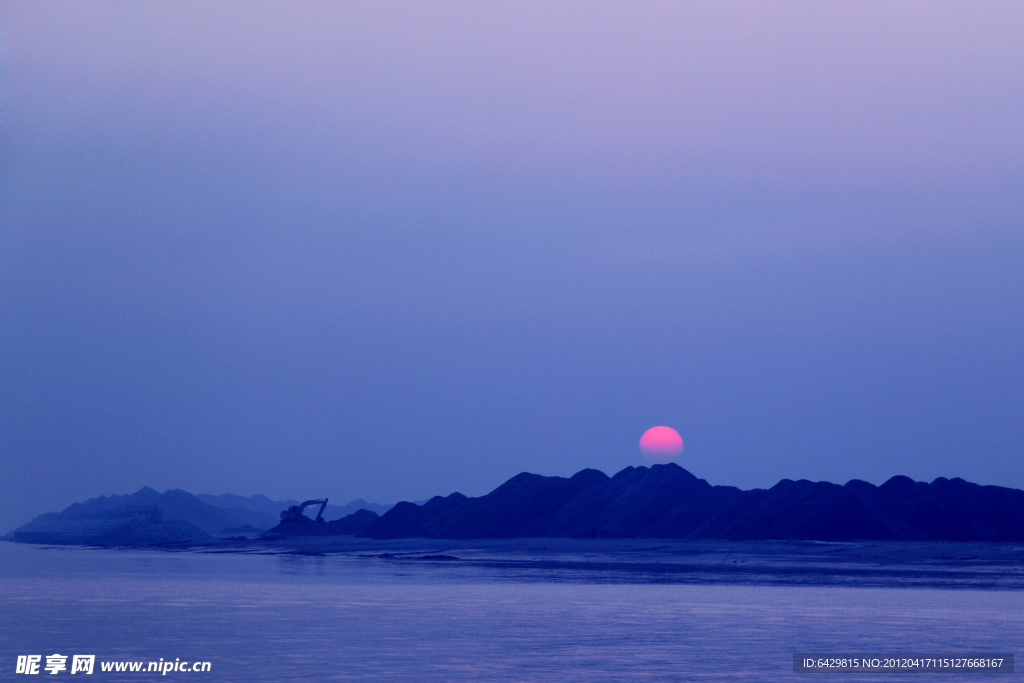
<point x="661" y="444"/>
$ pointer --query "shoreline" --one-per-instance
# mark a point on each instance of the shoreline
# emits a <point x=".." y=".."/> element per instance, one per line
<point x="880" y="564"/>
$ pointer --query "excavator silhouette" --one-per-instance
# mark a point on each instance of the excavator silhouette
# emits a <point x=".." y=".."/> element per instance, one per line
<point x="294" y="513"/>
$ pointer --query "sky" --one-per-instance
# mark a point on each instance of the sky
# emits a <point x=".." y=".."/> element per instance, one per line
<point x="392" y="250"/>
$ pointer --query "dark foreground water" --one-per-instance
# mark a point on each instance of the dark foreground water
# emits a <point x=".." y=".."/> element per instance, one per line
<point x="267" y="617"/>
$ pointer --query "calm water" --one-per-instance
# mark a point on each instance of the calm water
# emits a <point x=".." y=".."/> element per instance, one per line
<point x="290" y="618"/>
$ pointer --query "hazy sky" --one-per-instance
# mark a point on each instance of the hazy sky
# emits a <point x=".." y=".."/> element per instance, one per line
<point x="392" y="250"/>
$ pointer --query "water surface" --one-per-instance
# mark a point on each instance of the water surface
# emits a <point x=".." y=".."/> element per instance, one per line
<point x="267" y="617"/>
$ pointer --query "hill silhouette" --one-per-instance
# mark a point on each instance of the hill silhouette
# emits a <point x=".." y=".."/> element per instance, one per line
<point x="666" y="501"/>
<point x="143" y="518"/>
<point x="663" y="501"/>
<point x="148" y="517"/>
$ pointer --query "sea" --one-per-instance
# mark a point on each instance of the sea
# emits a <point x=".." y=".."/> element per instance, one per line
<point x="350" y="617"/>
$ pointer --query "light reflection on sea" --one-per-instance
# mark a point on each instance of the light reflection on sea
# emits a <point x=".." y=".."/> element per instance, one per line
<point x="285" y="618"/>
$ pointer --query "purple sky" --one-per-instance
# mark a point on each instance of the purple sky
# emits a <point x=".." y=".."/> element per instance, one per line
<point x="392" y="250"/>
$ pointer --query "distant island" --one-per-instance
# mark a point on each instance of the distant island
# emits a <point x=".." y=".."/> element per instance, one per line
<point x="148" y="517"/>
<point x="663" y="501"/>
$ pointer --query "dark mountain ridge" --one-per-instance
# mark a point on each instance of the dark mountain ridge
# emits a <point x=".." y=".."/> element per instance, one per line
<point x="663" y="501"/>
<point x="666" y="501"/>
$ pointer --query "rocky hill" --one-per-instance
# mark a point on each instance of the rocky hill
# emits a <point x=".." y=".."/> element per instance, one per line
<point x="666" y="501"/>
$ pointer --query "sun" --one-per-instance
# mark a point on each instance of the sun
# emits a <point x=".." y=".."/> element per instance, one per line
<point x="661" y="444"/>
